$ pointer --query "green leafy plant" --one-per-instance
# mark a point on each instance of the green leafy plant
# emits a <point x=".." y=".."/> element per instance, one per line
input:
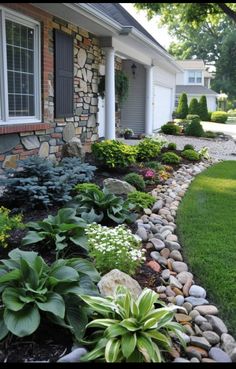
<point x="31" y="289"/>
<point x="194" y="107"/>
<point x="210" y="134"/>
<point x="7" y="224"/>
<point x="135" y="180"/>
<point x="219" y="116"/>
<point x="203" y="111"/>
<point x="170" y="158"/>
<point x="182" y="108"/>
<point x="114" y="248"/>
<point x="188" y="147"/>
<point x="171" y="146"/>
<point x="114" y="154"/>
<point x="141" y="200"/>
<point x="195" y="127"/>
<point x="58" y="231"/>
<point x="153" y="165"/>
<point x="131" y="330"/>
<point x="148" y="149"/>
<point x="191" y="155"/>
<point x="103" y="205"/>
<point x="170" y="129"/>
<point x="84" y="187"/>
<point x="204" y="153"/>
<point x="43" y="183"/>
<point x="121" y="86"/>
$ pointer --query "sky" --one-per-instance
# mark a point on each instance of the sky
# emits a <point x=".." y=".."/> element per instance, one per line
<point x="160" y="34"/>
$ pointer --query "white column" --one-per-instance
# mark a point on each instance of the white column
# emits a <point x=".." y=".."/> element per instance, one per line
<point x="148" y="102"/>
<point x="110" y="125"/>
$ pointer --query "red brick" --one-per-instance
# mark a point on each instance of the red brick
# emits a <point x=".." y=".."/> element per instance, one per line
<point x="154" y="265"/>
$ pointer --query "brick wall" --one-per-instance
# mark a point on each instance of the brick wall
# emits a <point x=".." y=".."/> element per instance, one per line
<point x="47" y="138"/>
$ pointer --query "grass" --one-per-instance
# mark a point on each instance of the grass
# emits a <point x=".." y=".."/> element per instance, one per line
<point x="206" y="224"/>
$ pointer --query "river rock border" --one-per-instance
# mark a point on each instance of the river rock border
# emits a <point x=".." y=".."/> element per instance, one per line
<point x="206" y="335"/>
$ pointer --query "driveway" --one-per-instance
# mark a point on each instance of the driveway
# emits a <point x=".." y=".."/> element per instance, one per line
<point x="228" y="129"/>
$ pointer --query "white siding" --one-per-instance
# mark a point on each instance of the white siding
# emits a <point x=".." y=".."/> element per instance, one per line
<point x="211" y="101"/>
<point x="180" y="78"/>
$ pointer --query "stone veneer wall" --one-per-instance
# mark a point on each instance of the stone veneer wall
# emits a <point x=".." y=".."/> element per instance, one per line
<point x="46" y="139"/>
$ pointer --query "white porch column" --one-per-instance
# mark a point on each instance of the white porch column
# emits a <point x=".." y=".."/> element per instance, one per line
<point x="148" y="102"/>
<point x="110" y="128"/>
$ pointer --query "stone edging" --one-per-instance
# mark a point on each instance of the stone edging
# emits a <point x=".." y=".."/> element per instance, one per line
<point x="206" y="335"/>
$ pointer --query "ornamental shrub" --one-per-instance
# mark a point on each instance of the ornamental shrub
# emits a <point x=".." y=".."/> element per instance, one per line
<point x="114" y="154"/>
<point x="7" y="224"/>
<point x="130" y="329"/>
<point x="210" y="134"/>
<point x="170" y="158"/>
<point x="141" y="200"/>
<point x="170" y="129"/>
<point x="114" y="248"/>
<point x="182" y="108"/>
<point x="193" y="107"/>
<point x="84" y="187"/>
<point x="135" y="180"/>
<point x="188" y="147"/>
<point x="195" y="127"/>
<point x="153" y="165"/>
<point x="191" y="155"/>
<point x="40" y="183"/>
<point x="171" y="146"/>
<point x="219" y="116"/>
<point x="203" y="111"/>
<point x="148" y="149"/>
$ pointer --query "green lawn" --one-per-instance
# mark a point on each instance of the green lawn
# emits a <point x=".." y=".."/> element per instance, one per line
<point x="206" y="224"/>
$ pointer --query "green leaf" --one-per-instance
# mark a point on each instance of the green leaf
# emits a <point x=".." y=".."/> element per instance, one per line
<point x="161" y="338"/>
<point x="54" y="304"/>
<point x="29" y="274"/>
<point x="114" y="329"/>
<point x="81" y="241"/>
<point x="146" y="301"/>
<point x="65" y="214"/>
<point x="11" y="298"/>
<point x="10" y="264"/>
<point x="13" y="275"/>
<point x="3" y="328"/>
<point x="128" y="344"/>
<point x="164" y="320"/>
<point x="97" y="352"/>
<point x="112" y="350"/>
<point x="130" y="324"/>
<point x="86" y="267"/>
<point x="28" y="256"/>
<point x="145" y="346"/>
<point x="32" y="237"/>
<point x="99" y="304"/>
<point x="76" y="316"/>
<point x="104" y="323"/>
<point x="63" y="274"/>
<point x="24" y="322"/>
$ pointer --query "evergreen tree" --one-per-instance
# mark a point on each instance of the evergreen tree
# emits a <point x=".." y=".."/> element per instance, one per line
<point x="182" y="109"/>
<point x="203" y="111"/>
<point x="194" y="107"/>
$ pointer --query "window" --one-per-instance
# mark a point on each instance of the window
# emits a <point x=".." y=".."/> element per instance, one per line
<point x="194" y="77"/>
<point x="20" y="75"/>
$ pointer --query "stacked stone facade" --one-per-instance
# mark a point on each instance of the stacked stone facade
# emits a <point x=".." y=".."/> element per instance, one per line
<point x="47" y="138"/>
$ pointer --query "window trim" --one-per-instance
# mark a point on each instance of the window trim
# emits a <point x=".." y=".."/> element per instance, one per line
<point x="13" y="16"/>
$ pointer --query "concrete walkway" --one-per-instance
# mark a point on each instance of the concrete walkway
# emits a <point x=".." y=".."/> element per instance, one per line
<point x="228" y="129"/>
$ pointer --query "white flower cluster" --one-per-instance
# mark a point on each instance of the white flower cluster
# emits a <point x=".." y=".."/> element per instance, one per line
<point x="116" y="246"/>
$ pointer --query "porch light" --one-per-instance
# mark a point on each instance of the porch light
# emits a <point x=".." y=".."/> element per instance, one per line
<point x="133" y="67"/>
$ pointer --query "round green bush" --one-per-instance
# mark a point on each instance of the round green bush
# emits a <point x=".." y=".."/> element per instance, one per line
<point x="195" y="127"/>
<point x="148" y="149"/>
<point x="172" y="146"/>
<point x="219" y="116"/>
<point x="188" y="147"/>
<point x="135" y="180"/>
<point x="142" y="200"/>
<point x="170" y="158"/>
<point x="83" y="187"/>
<point x="191" y="155"/>
<point x="153" y="165"/>
<point x="170" y="129"/>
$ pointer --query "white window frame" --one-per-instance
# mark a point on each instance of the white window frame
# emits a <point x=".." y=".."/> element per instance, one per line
<point x="195" y="72"/>
<point x="6" y="14"/>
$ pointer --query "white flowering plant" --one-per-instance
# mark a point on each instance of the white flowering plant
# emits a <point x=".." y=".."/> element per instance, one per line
<point x="114" y="248"/>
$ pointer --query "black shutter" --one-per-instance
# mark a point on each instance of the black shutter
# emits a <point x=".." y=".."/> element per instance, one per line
<point x="64" y="68"/>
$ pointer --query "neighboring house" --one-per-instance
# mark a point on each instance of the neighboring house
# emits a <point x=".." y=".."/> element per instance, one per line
<point x="195" y="81"/>
<point x="51" y="57"/>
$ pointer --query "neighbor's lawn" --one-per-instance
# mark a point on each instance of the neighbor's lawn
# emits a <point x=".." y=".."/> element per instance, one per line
<point x="206" y="224"/>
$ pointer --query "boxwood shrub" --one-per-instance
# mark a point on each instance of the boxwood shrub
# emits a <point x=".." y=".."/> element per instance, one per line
<point x="191" y="155"/>
<point x="219" y="116"/>
<point x="170" y="158"/>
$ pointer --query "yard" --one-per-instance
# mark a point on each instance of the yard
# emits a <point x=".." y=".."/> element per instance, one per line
<point x="206" y="226"/>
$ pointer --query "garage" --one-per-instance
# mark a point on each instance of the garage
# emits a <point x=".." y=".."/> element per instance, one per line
<point x="162" y="107"/>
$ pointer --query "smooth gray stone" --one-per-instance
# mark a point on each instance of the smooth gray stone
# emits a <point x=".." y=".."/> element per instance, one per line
<point x="218" y="325"/>
<point x="196" y="301"/>
<point x="219" y="355"/>
<point x="73" y="357"/>
<point x="200" y="342"/>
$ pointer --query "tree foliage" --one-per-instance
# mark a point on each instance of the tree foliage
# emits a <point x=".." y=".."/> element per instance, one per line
<point x="193" y="107"/>
<point x="203" y="111"/>
<point x="182" y="108"/>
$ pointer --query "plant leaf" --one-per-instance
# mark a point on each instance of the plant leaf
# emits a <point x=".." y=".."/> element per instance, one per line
<point x="24" y="322"/>
<point x="130" y="324"/>
<point x="128" y="344"/>
<point x="112" y="350"/>
<point x="54" y="304"/>
<point x="86" y="267"/>
<point x="13" y="275"/>
<point x="76" y="316"/>
<point x="32" y="237"/>
<point x="11" y="298"/>
<point x="145" y="346"/>
<point x="146" y="301"/>
<point x="3" y="328"/>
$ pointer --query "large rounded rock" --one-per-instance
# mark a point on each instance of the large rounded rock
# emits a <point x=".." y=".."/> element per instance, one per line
<point x="197" y="291"/>
<point x="179" y="266"/>
<point x="74" y="356"/>
<point x="158" y="244"/>
<point x="69" y="132"/>
<point x="219" y="355"/>
<point x="107" y="285"/>
<point x="207" y="309"/>
<point x="217" y="324"/>
<point x="118" y="187"/>
<point x="73" y="148"/>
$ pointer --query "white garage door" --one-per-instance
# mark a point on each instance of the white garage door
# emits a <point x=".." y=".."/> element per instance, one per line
<point x="162" y="106"/>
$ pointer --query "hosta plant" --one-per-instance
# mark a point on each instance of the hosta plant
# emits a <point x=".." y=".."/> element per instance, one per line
<point x="31" y="289"/>
<point x="141" y="200"/>
<point x="103" y="205"/>
<point x="58" y="231"/>
<point x="131" y="330"/>
<point x="114" y="248"/>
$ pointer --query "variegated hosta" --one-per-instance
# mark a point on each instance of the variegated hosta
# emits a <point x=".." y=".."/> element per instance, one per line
<point x="131" y="330"/>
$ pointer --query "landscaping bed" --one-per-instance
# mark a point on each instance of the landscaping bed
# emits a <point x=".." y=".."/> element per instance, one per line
<point x="86" y="236"/>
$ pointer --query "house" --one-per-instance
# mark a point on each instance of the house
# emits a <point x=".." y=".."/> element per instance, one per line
<point x="195" y="82"/>
<point x="52" y="57"/>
